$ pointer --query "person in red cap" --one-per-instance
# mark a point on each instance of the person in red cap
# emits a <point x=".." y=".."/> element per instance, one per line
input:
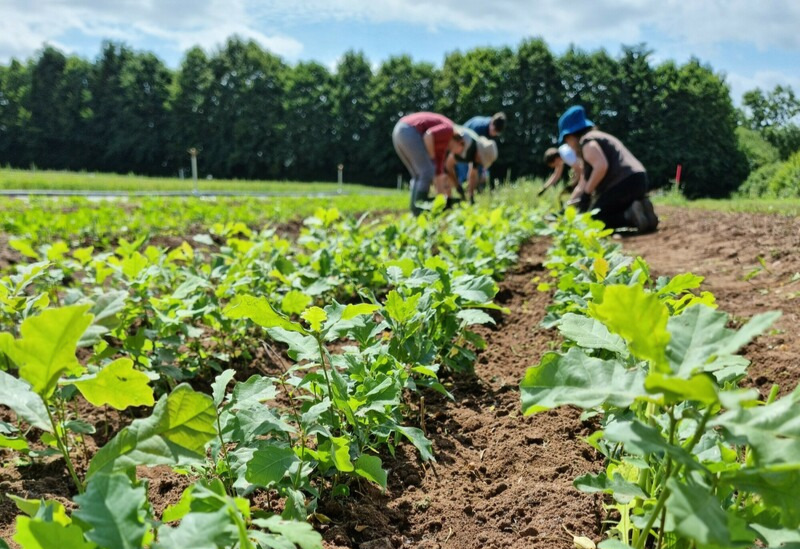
<point x="614" y="181"/>
<point x="422" y="141"/>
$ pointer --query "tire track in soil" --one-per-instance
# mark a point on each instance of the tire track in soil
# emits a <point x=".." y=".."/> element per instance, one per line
<point x="724" y="248"/>
<point x="500" y="480"/>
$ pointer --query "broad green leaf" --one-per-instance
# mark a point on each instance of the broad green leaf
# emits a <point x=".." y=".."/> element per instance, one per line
<point x="118" y="384"/>
<point x="340" y="453"/>
<point x="405" y="264"/>
<point x="24" y="247"/>
<point x="107" y="306"/>
<point x="255" y="390"/>
<point x="261" y="312"/>
<point x="600" y="268"/>
<point x="471" y="317"/>
<point x="18" y="444"/>
<point x="776" y="486"/>
<point x="295" y="302"/>
<point x="17" y="395"/>
<point x="436" y="263"/>
<point x="352" y="311"/>
<point x="220" y="385"/>
<point x="47" y="346"/>
<point x="114" y="511"/>
<point x="590" y="333"/>
<point x="199" y="531"/>
<point x="177" y="431"/>
<point x="640" y="439"/>
<point x="699" y="388"/>
<point x="777" y="537"/>
<point x="577" y="379"/>
<point x="38" y="534"/>
<point x="299" y="533"/>
<point x="681" y="283"/>
<point x="475" y="289"/>
<point x="694" y="513"/>
<point x="252" y="421"/>
<point x="371" y="468"/>
<point x="401" y="310"/>
<point x="700" y="335"/>
<point x="270" y="464"/>
<point x="176" y="511"/>
<point x="314" y="317"/>
<point x="49" y="510"/>
<point x="639" y="317"/>
<point x="301" y="346"/>
<point x="772" y="431"/>
<point x="622" y="490"/>
<point x="418" y="439"/>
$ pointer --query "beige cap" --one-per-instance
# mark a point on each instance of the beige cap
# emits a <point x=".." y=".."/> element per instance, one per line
<point x="487" y="151"/>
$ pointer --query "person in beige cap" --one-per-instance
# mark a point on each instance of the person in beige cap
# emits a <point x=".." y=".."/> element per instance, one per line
<point x="479" y="154"/>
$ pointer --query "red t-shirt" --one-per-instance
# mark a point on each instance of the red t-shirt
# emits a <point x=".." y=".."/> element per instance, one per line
<point x="439" y="126"/>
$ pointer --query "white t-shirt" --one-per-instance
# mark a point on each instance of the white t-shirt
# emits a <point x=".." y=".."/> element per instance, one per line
<point x="567" y="155"/>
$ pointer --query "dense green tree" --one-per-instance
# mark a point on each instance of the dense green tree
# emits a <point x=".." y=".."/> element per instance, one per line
<point x="589" y="79"/>
<point x="775" y="108"/>
<point x="244" y="105"/>
<point x="697" y="130"/>
<point x="146" y="84"/>
<point x="252" y="116"/>
<point x="15" y="114"/>
<point x="189" y="120"/>
<point x="533" y="100"/>
<point x="309" y="124"/>
<point x="351" y="100"/>
<point x="108" y="140"/>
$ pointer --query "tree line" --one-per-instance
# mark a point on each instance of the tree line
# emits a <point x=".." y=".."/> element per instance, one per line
<point x="253" y="116"/>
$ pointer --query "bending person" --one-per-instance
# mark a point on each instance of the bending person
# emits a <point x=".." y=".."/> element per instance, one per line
<point x="489" y="127"/>
<point x="478" y="155"/>
<point x="422" y="141"/>
<point x="613" y="178"/>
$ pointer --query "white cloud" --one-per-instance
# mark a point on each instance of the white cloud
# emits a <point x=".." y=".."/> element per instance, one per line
<point x="764" y="79"/>
<point x="178" y="24"/>
<point x="764" y="24"/>
<point x="675" y="28"/>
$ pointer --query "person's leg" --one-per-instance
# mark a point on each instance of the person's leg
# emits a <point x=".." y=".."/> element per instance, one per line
<point x="615" y="201"/>
<point x="411" y="149"/>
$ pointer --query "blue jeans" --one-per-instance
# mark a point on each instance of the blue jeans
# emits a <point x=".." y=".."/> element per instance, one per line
<point x="411" y="149"/>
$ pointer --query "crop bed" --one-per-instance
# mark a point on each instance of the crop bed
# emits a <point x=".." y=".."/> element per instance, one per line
<point x="500" y="478"/>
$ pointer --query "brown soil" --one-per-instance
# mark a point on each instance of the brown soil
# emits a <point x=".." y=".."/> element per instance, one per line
<point x="502" y="480"/>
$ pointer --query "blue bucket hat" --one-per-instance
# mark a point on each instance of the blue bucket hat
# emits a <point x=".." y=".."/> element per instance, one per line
<point x="573" y="120"/>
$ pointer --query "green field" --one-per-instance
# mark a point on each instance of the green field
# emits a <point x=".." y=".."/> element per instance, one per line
<point x="45" y="180"/>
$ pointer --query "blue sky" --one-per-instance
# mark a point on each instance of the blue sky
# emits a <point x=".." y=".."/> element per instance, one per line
<point x="753" y="43"/>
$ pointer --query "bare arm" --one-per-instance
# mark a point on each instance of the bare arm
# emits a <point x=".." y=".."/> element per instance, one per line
<point x="593" y="155"/>
<point x="555" y="176"/>
<point x="427" y="138"/>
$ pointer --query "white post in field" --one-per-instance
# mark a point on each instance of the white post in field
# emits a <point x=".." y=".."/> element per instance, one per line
<point x="340" y="179"/>
<point x="193" y="153"/>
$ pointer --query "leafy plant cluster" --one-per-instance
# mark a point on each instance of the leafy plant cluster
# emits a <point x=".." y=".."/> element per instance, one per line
<point x="81" y="222"/>
<point x="691" y="459"/>
<point x="301" y="430"/>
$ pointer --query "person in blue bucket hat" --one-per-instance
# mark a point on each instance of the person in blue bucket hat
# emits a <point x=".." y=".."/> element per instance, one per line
<point x="614" y="181"/>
